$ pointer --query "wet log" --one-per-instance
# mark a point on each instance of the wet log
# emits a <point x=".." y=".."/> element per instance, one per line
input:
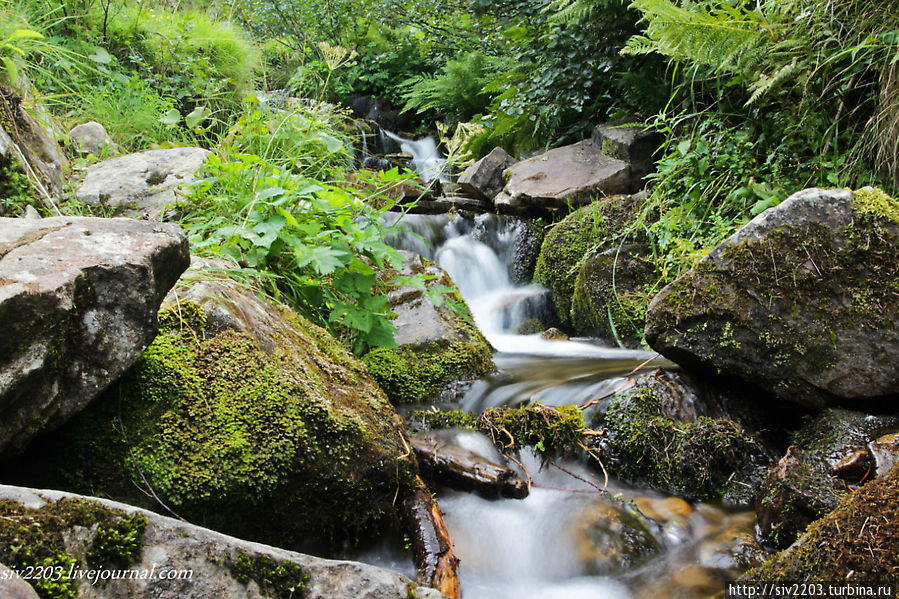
<point x="459" y="468"/>
<point x="431" y="543"/>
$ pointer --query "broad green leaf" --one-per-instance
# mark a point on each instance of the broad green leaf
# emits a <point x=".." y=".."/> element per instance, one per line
<point x="101" y="56"/>
<point x="172" y="117"/>
<point x="12" y="72"/>
<point x="270" y="192"/>
<point x="197" y="116"/>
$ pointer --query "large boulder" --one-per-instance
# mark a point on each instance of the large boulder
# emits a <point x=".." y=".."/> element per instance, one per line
<point x="78" y="302"/>
<point x="438" y="345"/>
<point x="801" y="301"/>
<point x="242" y="416"/>
<point x="484" y="178"/>
<point x="570" y="244"/>
<point x="572" y="175"/>
<point x="141" y="185"/>
<point x="859" y="541"/>
<point x="109" y="550"/>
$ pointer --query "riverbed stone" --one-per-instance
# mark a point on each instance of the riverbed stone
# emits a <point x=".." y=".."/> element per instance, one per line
<point x="91" y="138"/>
<point x="800" y="301"/>
<point x="170" y="558"/>
<point x="437" y="345"/>
<point x="78" y="301"/>
<point x="484" y="178"/>
<point x="885" y="451"/>
<point x="243" y="416"/>
<point x="141" y="185"/>
<point x="613" y="537"/>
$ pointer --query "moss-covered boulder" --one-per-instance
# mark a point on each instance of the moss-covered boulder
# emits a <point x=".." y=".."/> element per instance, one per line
<point x="801" y="301"/>
<point x="94" y="548"/>
<point x="610" y="295"/>
<point x="655" y="440"/>
<point x="439" y="345"/>
<point x="859" y="541"/>
<point x="581" y="235"/>
<point x="244" y="417"/>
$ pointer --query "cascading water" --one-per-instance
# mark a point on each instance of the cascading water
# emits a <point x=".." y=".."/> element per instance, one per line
<point x="427" y="160"/>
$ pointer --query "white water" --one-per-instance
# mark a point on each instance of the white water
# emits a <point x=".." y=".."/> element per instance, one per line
<point x="427" y="160"/>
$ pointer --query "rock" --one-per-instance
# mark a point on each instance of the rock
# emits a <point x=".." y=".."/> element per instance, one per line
<point x="581" y="235"/>
<point x="436" y="345"/>
<point x="243" y="416"/>
<point x="78" y="301"/>
<point x="553" y="334"/>
<point x="163" y="558"/>
<point x="31" y="213"/>
<point x="800" y="301"/>
<point x="637" y="146"/>
<point x="858" y="541"/>
<point x="91" y="138"/>
<point x="14" y="587"/>
<point x="886" y="452"/>
<point x="35" y="138"/>
<point x="141" y="185"/>
<point x="613" y="537"/>
<point x="525" y="250"/>
<point x="835" y="434"/>
<point x="659" y="435"/>
<point x="572" y="175"/>
<point x="484" y="178"/>
<point x="609" y="300"/>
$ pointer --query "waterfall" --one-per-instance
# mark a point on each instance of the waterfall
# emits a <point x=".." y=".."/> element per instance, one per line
<point x="427" y="160"/>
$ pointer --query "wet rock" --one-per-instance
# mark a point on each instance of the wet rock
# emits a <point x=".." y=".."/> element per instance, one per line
<point x="853" y="467"/>
<point x="836" y="434"/>
<point x="141" y="185"/>
<point x="91" y="138"/>
<point x="609" y="298"/>
<point x="484" y="178"/>
<point x="553" y="334"/>
<point x="858" y="541"/>
<point x="244" y="416"/>
<point x="613" y="537"/>
<point x="580" y="236"/>
<point x="525" y="250"/>
<point x="174" y="559"/>
<point x="436" y="345"/>
<point x="800" y="301"/>
<point x="659" y="435"/>
<point x="568" y="176"/>
<point x="34" y="140"/>
<point x="13" y="587"/>
<point x="886" y="452"/>
<point x="78" y="301"/>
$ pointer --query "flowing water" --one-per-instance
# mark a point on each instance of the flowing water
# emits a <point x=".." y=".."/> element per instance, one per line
<point x="541" y="547"/>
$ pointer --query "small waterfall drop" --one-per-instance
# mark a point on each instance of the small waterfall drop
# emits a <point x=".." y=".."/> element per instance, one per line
<point x="427" y="160"/>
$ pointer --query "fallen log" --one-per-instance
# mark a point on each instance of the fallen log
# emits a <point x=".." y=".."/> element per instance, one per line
<point x="434" y="558"/>
<point x="459" y="468"/>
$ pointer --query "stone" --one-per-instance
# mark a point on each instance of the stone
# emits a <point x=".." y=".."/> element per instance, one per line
<point x="31" y="213"/>
<point x="91" y="138"/>
<point x="141" y="185"/>
<point x="800" y="301"/>
<point x="437" y="345"/>
<point x="34" y="141"/>
<point x="885" y="451"/>
<point x="245" y="417"/>
<point x="12" y="586"/>
<point x="484" y="178"/>
<point x="78" y="301"/>
<point x="635" y="145"/>
<point x="612" y="537"/>
<point x="525" y="251"/>
<point x="553" y="334"/>
<point x="172" y="559"/>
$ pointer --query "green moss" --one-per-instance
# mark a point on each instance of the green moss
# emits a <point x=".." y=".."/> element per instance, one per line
<point x="434" y="419"/>
<point x="575" y="239"/>
<point x="217" y="428"/>
<point x="699" y="460"/>
<point x="38" y="537"/>
<point x="551" y="431"/>
<point x="283" y="580"/>
<point x="871" y="203"/>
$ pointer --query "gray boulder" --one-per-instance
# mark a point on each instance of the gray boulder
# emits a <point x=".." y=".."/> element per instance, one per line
<point x="78" y="301"/>
<point x="141" y="185"/>
<point x="801" y="301"/>
<point x="635" y="145"/>
<point x="484" y="178"/>
<point x="91" y="138"/>
<point x="163" y="558"/>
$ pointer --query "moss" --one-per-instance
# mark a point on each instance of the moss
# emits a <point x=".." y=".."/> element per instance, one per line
<point x="856" y="542"/>
<point x="38" y="537"/>
<point x="574" y="240"/>
<point x="700" y="460"/>
<point x="434" y="419"/>
<point x="283" y="580"/>
<point x="217" y="428"/>
<point x="552" y="431"/>
<point x="873" y="204"/>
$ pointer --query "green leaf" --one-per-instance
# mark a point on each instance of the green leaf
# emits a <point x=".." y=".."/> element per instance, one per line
<point x="197" y="116"/>
<point x="101" y="56"/>
<point x="684" y="147"/>
<point x="12" y="72"/>
<point x="271" y="192"/>
<point x="172" y="117"/>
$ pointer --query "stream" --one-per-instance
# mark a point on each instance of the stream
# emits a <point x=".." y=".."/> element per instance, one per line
<point x="565" y="540"/>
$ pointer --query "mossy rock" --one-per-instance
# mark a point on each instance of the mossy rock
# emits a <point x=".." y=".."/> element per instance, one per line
<point x="801" y="301"/>
<point x="581" y="235"/>
<point x="438" y="345"/>
<point x="246" y="418"/>
<point x="610" y="297"/>
<point x="699" y="458"/>
<point x="858" y="541"/>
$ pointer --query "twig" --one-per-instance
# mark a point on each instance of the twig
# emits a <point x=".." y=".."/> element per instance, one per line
<point x="525" y="470"/>
<point x="580" y="478"/>
<point x="605" y="472"/>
